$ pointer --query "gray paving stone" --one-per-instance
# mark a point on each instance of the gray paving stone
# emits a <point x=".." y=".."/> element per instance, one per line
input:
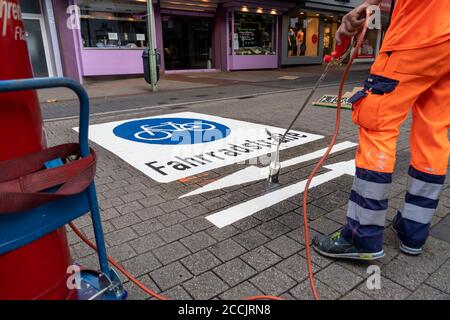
<point x="109" y="214"/>
<point x="135" y="293"/>
<point x="235" y="271"/>
<point x="170" y="275"/>
<point x="197" y="224"/>
<point x="272" y="281"/>
<point x="338" y="278"/>
<point x="194" y="210"/>
<point x="285" y="207"/>
<point x="440" y="279"/>
<point x="198" y="241"/>
<point x="247" y="223"/>
<point x="169" y="219"/>
<point x="146" y="243"/>
<point x="148" y="226"/>
<point x="314" y="212"/>
<point x="214" y="204"/>
<point x="113" y="192"/>
<point x="324" y="225"/>
<point x="234" y="197"/>
<point x="339" y="215"/>
<point x="142" y="264"/>
<point x="152" y="200"/>
<point x="267" y="214"/>
<point x="295" y="267"/>
<point x="129" y="207"/>
<point x="284" y="246"/>
<point x="291" y="219"/>
<point x="173" y="233"/>
<point x="149" y="213"/>
<point x="273" y="229"/>
<point x="200" y="262"/>
<point x="121" y="252"/>
<point x="303" y="291"/>
<point x="356" y="295"/>
<point x="227" y="250"/>
<point x="405" y="274"/>
<point x="129" y="197"/>
<point x="243" y="290"/>
<point x="120" y="236"/>
<point x="171" y="206"/>
<point x="260" y="258"/>
<point x="171" y="252"/>
<point x="177" y="293"/>
<point x="205" y="286"/>
<point x="193" y="200"/>
<point x="110" y="203"/>
<point x="222" y="233"/>
<point x="299" y="235"/>
<point x="389" y="290"/>
<point x="125" y="221"/>
<point x="425" y="292"/>
<point x="251" y="239"/>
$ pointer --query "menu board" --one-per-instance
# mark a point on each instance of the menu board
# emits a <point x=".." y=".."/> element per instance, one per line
<point x="247" y="37"/>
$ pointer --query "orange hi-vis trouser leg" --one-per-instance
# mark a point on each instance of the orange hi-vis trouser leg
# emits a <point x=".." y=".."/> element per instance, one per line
<point x="401" y="81"/>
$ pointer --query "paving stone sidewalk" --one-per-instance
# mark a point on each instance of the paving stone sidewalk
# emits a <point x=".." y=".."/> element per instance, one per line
<point x="169" y="245"/>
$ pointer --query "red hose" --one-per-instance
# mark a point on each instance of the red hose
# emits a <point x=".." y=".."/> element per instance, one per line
<point x="305" y="198"/>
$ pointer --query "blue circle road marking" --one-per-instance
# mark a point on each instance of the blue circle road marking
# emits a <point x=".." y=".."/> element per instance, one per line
<point x="172" y="131"/>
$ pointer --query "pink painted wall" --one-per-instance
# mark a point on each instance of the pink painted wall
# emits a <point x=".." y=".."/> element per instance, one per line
<point x="253" y="62"/>
<point x="99" y="62"/>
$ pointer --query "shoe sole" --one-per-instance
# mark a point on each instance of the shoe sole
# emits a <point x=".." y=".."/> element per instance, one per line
<point x="406" y="249"/>
<point x="409" y="250"/>
<point x="353" y="256"/>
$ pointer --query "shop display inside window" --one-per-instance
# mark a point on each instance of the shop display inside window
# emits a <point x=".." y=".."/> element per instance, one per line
<point x="253" y="34"/>
<point x="107" y="30"/>
<point x="303" y="37"/>
<point x="367" y="50"/>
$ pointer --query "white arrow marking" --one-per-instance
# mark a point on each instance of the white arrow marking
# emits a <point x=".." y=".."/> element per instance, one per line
<point x="231" y="215"/>
<point x="254" y="173"/>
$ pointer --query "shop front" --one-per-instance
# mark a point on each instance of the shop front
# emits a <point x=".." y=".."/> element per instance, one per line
<point x="41" y="37"/>
<point x="112" y="37"/>
<point x="309" y="30"/>
<point x="252" y="34"/>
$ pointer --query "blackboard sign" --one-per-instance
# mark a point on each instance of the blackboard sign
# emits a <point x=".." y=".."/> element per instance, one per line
<point x="247" y="37"/>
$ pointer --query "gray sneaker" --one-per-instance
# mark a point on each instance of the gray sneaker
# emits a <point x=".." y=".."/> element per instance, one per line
<point x="335" y="246"/>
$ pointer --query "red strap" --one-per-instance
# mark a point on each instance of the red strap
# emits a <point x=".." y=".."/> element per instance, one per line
<point x="23" y="178"/>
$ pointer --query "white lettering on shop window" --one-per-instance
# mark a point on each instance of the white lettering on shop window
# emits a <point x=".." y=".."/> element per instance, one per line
<point x="73" y="22"/>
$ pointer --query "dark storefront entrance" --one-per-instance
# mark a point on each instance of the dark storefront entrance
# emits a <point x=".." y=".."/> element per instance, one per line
<point x="187" y="41"/>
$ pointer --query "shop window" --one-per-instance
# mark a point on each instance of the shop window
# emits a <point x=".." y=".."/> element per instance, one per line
<point x="303" y="36"/>
<point x="254" y="34"/>
<point x="369" y="45"/>
<point x="187" y="42"/>
<point x="30" y="6"/>
<point x="109" y="30"/>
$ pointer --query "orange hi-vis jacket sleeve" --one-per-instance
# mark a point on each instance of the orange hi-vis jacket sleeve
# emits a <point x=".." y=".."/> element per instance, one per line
<point x="418" y="24"/>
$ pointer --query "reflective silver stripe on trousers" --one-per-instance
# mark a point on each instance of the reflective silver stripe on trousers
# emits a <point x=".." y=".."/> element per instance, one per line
<point x="366" y="217"/>
<point x="371" y="190"/>
<point x="424" y="189"/>
<point x="417" y="214"/>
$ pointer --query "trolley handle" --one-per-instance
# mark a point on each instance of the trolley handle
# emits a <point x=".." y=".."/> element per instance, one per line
<point x="46" y="83"/>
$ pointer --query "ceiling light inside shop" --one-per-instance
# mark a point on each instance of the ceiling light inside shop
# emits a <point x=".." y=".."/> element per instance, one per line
<point x="244" y="9"/>
<point x="273" y="11"/>
<point x="259" y="10"/>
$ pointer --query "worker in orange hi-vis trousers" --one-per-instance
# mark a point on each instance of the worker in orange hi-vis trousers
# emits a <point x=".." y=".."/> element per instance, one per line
<point x="411" y="73"/>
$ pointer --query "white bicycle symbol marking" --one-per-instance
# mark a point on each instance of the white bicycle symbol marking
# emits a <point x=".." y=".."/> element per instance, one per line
<point x="166" y="130"/>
